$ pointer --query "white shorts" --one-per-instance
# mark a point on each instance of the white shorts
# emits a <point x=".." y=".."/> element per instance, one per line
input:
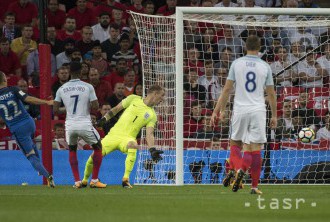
<point x="249" y="127"/>
<point x="89" y="136"/>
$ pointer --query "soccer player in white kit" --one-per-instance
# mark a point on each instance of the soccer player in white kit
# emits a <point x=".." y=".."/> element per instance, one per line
<point x="251" y="77"/>
<point x="78" y="98"/>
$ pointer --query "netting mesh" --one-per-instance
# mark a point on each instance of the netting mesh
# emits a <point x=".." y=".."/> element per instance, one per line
<point x="298" y="51"/>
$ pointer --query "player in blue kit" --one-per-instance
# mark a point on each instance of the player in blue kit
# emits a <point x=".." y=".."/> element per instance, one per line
<point x="21" y="124"/>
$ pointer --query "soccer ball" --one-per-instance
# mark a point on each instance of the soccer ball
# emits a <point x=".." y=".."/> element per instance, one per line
<point x="306" y="135"/>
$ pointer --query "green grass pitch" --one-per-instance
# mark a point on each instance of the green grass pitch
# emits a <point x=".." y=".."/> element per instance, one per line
<point x="163" y="203"/>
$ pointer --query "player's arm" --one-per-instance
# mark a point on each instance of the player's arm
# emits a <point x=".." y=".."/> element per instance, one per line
<point x="58" y="109"/>
<point x="37" y="101"/>
<point x="272" y="102"/>
<point x="95" y="105"/>
<point x="110" y="114"/>
<point x="222" y="101"/>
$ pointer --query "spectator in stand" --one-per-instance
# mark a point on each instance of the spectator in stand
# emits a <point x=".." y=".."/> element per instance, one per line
<point x="55" y="44"/>
<point x="149" y="7"/>
<point x="24" y="45"/>
<point x="26" y="12"/>
<point x="84" y="16"/>
<point x="138" y="89"/>
<point x="287" y="77"/>
<point x="99" y="129"/>
<point x="84" y="73"/>
<point x="208" y="3"/>
<point x="111" y="45"/>
<point x="308" y="4"/>
<point x="268" y="3"/>
<point x="136" y="6"/>
<point x="101" y="31"/>
<point x="193" y="62"/>
<point x="55" y="16"/>
<point x="236" y="44"/>
<point x="111" y="4"/>
<point x="63" y="76"/>
<point x="192" y="34"/>
<point x="310" y="72"/>
<point x="295" y="53"/>
<point x="118" y="75"/>
<point x="32" y="109"/>
<point x="98" y="62"/>
<point x="129" y="82"/>
<point x="301" y="35"/>
<point x="208" y="132"/>
<point x="308" y="115"/>
<point x="118" y="18"/>
<point x="4" y="4"/>
<point x="105" y="108"/>
<point x="226" y="3"/>
<point x="9" y="29"/>
<point x="222" y="74"/>
<point x="32" y="63"/>
<point x="324" y="132"/>
<point x="297" y="123"/>
<point x="69" y="30"/>
<point x="66" y="5"/>
<point x="64" y="57"/>
<point x="126" y="53"/>
<point x="194" y="122"/>
<point x="194" y="3"/>
<point x="168" y="9"/>
<point x="5" y="133"/>
<point x="102" y="88"/>
<point x="86" y="44"/>
<point x="197" y="91"/>
<point x="118" y="94"/>
<point x="284" y="124"/>
<point x="207" y="46"/>
<point x="226" y="58"/>
<point x="59" y="142"/>
<point x="324" y="61"/>
<point x="211" y="83"/>
<point x="9" y="62"/>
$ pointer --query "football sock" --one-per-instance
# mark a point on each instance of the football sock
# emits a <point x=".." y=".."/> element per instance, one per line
<point x="246" y="161"/>
<point x="74" y="165"/>
<point x="37" y="165"/>
<point x="235" y="157"/>
<point x="255" y="168"/>
<point x="88" y="168"/>
<point x="129" y="162"/>
<point x="97" y="160"/>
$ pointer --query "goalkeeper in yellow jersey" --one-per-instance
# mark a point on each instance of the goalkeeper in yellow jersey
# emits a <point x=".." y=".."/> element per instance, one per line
<point x="139" y="112"/>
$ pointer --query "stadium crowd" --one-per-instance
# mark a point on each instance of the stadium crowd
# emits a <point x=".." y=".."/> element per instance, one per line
<point x="103" y="37"/>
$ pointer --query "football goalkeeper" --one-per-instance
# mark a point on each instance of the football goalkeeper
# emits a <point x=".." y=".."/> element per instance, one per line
<point x="139" y="112"/>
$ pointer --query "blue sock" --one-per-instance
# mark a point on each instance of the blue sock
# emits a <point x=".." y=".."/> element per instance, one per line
<point x="37" y="165"/>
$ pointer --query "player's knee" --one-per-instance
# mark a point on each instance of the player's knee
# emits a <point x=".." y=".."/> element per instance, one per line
<point x="30" y="153"/>
<point x="132" y="145"/>
<point x="73" y="148"/>
<point x="97" y="146"/>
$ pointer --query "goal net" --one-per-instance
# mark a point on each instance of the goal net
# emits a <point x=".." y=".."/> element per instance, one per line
<point x="190" y="54"/>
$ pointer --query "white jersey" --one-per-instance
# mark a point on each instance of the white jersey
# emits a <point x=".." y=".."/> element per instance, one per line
<point x="76" y="96"/>
<point x="251" y="75"/>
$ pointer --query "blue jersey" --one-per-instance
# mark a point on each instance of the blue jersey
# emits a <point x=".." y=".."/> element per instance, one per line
<point x="12" y="110"/>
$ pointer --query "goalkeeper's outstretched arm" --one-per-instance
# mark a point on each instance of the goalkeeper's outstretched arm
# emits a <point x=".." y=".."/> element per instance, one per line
<point x="113" y="111"/>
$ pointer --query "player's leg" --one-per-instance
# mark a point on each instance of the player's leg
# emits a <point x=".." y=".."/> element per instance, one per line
<point x="72" y="138"/>
<point x="109" y="144"/>
<point x="257" y="137"/>
<point x="26" y="144"/>
<point x="131" y="147"/>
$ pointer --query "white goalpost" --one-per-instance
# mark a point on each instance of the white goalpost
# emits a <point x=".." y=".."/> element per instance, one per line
<point x="195" y="48"/>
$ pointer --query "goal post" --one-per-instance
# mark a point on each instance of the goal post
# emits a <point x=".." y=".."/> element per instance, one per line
<point x="165" y="52"/>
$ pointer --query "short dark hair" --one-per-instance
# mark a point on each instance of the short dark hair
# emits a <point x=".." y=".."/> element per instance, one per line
<point x="4" y="40"/>
<point x="114" y="26"/>
<point x="155" y="88"/>
<point x="253" y="43"/>
<point x="58" y="125"/>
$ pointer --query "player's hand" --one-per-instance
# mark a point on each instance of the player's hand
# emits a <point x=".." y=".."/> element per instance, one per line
<point x="50" y="102"/>
<point x="273" y="122"/>
<point x="214" y="118"/>
<point x="155" y="154"/>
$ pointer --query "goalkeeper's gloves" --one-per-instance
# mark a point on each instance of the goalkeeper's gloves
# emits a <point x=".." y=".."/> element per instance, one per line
<point x="101" y="122"/>
<point x="155" y="154"/>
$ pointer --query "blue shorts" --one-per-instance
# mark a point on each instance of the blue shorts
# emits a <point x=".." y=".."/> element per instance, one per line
<point x="24" y="133"/>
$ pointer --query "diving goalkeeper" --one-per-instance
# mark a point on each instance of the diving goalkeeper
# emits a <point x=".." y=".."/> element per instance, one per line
<point x="139" y="112"/>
